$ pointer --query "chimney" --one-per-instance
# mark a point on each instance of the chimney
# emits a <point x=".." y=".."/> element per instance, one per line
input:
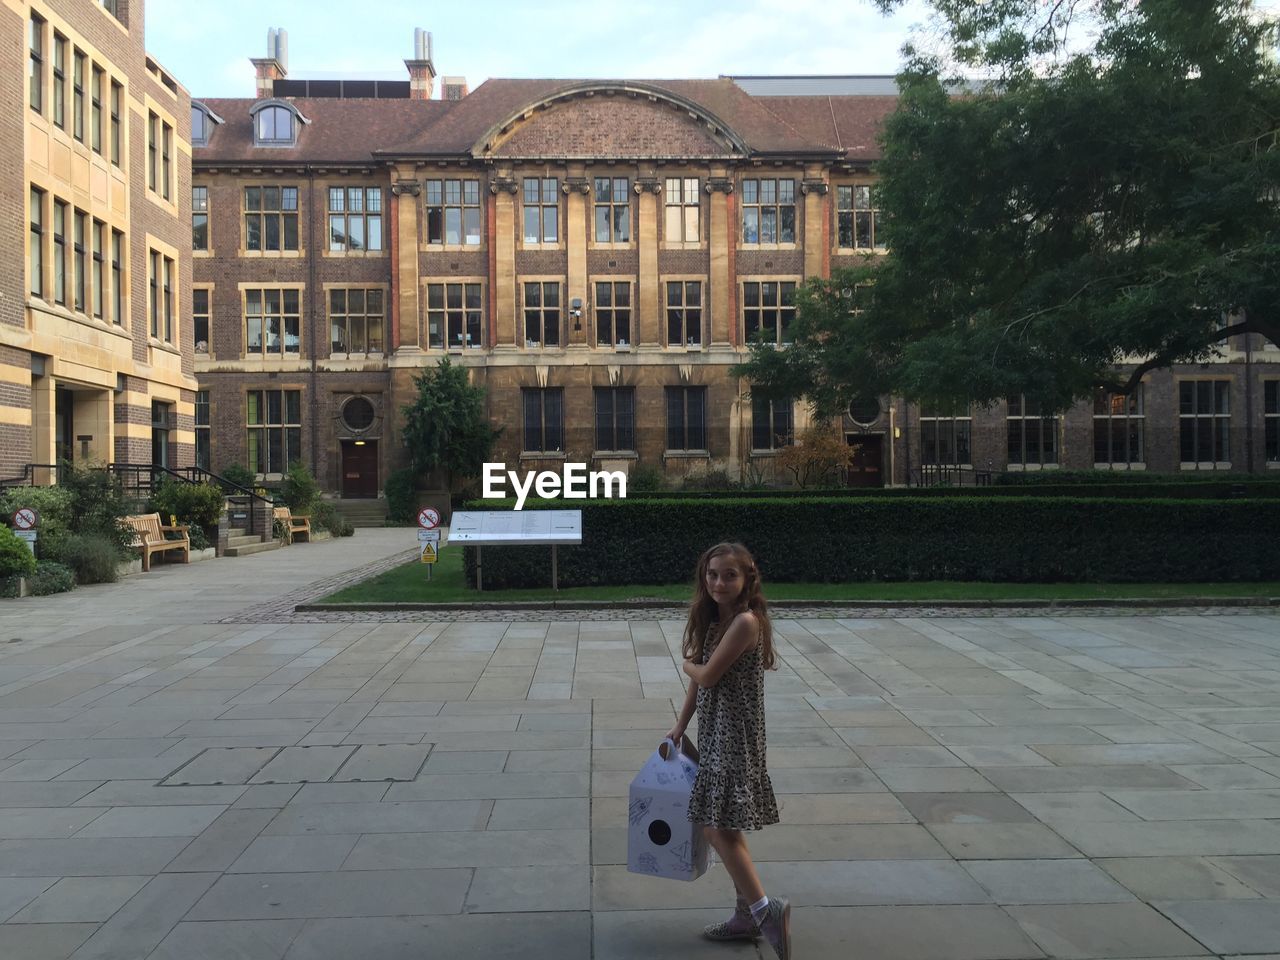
<point x="275" y="65"/>
<point x="453" y="88"/>
<point x="422" y="72"/>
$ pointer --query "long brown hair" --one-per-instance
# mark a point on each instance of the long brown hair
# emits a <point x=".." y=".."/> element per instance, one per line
<point x="703" y="610"/>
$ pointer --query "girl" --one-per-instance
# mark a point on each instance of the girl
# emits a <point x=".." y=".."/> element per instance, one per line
<point x="728" y="644"/>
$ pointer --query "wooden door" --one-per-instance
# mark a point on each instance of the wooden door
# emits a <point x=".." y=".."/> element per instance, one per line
<point x="866" y="469"/>
<point x="359" y="469"/>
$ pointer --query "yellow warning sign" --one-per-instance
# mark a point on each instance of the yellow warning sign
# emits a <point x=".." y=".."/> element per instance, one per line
<point x="428" y="553"/>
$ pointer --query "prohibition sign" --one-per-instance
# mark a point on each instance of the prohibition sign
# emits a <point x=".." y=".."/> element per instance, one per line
<point x="25" y="519"/>
<point x="428" y="518"/>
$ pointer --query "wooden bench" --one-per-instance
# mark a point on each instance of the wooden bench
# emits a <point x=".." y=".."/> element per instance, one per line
<point x="294" y="525"/>
<point x="149" y="537"/>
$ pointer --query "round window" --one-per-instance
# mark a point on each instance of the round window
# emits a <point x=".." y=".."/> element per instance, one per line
<point x="864" y="409"/>
<point x="357" y="413"/>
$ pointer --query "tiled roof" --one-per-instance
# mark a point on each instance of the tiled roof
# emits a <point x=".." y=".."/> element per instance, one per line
<point x="340" y="131"/>
<point x="852" y="123"/>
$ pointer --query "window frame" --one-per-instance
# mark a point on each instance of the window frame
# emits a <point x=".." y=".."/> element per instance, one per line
<point x="199" y="213"/>
<point x="759" y="205"/>
<point x="201" y="319"/>
<point x="1219" y="423"/>
<point x="437" y="204"/>
<point x="785" y="313"/>
<point x="678" y="402"/>
<point x="683" y="309"/>
<point x="849" y="211"/>
<point x="59" y="105"/>
<point x="117" y="98"/>
<point x="956" y="427"/>
<point x="616" y="423"/>
<point x="778" y="415"/>
<point x="79" y="60"/>
<point x="283" y="314"/>
<point x="366" y="318"/>
<point x="117" y="277"/>
<point x="543" y="311"/>
<point x="612" y="311"/>
<point x="1106" y="418"/>
<point x="97" y="77"/>
<point x="680" y="207"/>
<point x="1271" y="423"/>
<point x="275" y="111"/>
<point x="539" y="206"/>
<point x="203" y="428"/>
<point x="1022" y="418"/>
<point x="611" y="206"/>
<point x="60" y="225"/>
<point x="98" y="229"/>
<point x="346" y="214"/>
<point x="80" y="264"/>
<point x="35" y="64"/>
<point x="283" y="216"/>
<point x="288" y="426"/>
<point x="441" y="313"/>
<point x="550" y="420"/>
<point x="35" y="241"/>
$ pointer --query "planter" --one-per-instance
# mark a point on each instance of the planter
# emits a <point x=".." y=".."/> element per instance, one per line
<point x="208" y="553"/>
<point x="127" y="568"/>
<point x="320" y="536"/>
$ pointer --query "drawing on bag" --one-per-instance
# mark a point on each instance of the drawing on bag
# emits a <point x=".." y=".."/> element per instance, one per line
<point x="647" y="862"/>
<point x="638" y="808"/>
<point x="682" y="853"/>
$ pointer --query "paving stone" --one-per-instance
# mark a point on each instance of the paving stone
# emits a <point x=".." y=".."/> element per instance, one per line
<point x="1173" y="838"/>
<point x="303" y="764"/>
<point x="217" y="847"/>
<point x="466" y="786"/>
<point x="81" y="900"/>
<point x="644" y="934"/>
<point x="933" y="780"/>
<point x="1076" y="779"/>
<point x="1001" y="841"/>
<point x="1199" y="804"/>
<point x="88" y="857"/>
<point x="20" y="823"/>
<point x="39" y="769"/>
<point x="489" y="848"/>
<point x="365" y="893"/>
<point x="1228" y="926"/>
<point x="294" y="854"/>
<point x="60" y="794"/>
<point x="227" y="765"/>
<point x="964" y="808"/>
<point x="1260" y="873"/>
<point x="139" y="926"/>
<point x="17" y="892"/>
<point x="817" y="808"/>
<point x="1053" y="808"/>
<point x="384" y="762"/>
<point x="1046" y="881"/>
<point x="341" y="792"/>
<point x="1127" y="753"/>
<point x="221" y="940"/>
<point x="1176" y="878"/>
<point x="43" y="941"/>
<point x="568" y="813"/>
<point x="387" y="817"/>
<point x="1103" y="930"/>
<point x="845" y="842"/>
<point x="154" y="821"/>
<point x="491" y="936"/>
<point x="529" y="889"/>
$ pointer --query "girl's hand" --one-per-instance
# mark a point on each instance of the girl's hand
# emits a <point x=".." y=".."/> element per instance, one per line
<point x="674" y="734"/>
<point x="689" y="668"/>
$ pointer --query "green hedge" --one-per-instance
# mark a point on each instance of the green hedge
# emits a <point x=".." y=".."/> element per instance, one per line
<point x="840" y="539"/>
<point x="1174" y="488"/>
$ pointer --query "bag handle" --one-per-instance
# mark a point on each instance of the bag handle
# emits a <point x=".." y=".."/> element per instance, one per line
<point x="668" y="748"/>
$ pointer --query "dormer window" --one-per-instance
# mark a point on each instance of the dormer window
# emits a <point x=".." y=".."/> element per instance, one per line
<point x="275" y="123"/>
<point x="202" y="122"/>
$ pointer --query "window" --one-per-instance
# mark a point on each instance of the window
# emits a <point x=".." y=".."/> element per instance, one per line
<point x="271" y="218"/>
<point x="686" y="418"/>
<point x="161" y="423"/>
<point x="1271" y="414"/>
<point x="200" y="319"/>
<point x="166" y="149"/>
<point x="153" y="289"/>
<point x="272" y="321"/>
<point x="77" y="95"/>
<point x="541" y="209"/>
<point x="275" y="430"/>
<point x="543" y="419"/>
<point x="203" y="458"/>
<point x="95" y="109"/>
<point x="768" y="211"/>
<point x="768" y="307"/>
<point x="682" y="201"/>
<point x="99" y="261"/>
<point x="200" y="218"/>
<point x="117" y="277"/>
<point x="453" y="212"/>
<point x="199" y="127"/>
<point x="112" y="7"/>
<point x="59" y="252"/>
<point x="153" y="135"/>
<point x="169" y="291"/>
<point x="613" y="315"/>
<point x="1204" y="420"/>
<point x="355" y="219"/>
<point x="36" y="68"/>
<point x="355" y="317"/>
<point x="613" y="210"/>
<point x="772" y="423"/>
<point x="35" y="243"/>
<point x="1118" y="424"/>
<point x="454" y="315"/>
<point x="856" y="219"/>
<point x="542" y="314"/>
<point x="1033" y="436"/>
<point x="81" y="257"/>
<point x="684" y="313"/>
<point x="117" y="93"/>
<point x="273" y="125"/>
<point x="945" y="436"/>
<point x="60" y="81"/>
<point x="615" y="418"/>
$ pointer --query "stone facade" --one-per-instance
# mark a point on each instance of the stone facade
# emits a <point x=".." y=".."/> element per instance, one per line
<point x="80" y="378"/>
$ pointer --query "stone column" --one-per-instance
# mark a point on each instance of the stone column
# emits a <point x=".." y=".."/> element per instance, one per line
<point x="645" y="326"/>
<point x="722" y="233"/>
<point x="503" y="187"/>
<point x="817" y="216"/>
<point x="577" y="223"/>
<point x="406" y="190"/>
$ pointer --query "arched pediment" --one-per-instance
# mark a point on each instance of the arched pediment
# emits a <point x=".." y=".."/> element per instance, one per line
<point x="621" y="119"/>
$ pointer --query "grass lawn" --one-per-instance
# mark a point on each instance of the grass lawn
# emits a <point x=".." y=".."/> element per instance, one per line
<point x="408" y="584"/>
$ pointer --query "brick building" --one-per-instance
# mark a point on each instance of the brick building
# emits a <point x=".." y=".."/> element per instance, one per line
<point x="96" y="363"/>
<point x="596" y="253"/>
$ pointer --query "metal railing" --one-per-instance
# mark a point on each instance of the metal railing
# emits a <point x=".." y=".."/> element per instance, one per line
<point x="948" y="475"/>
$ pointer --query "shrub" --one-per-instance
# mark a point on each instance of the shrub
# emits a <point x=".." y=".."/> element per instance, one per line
<point x="324" y="516"/>
<point x="52" y="503"/>
<point x="92" y="556"/>
<point x="198" y="504"/>
<point x="98" y="505"/>
<point x="299" y="490"/>
<point x="645" y="479"/>
<point x="16" y="558"/>
<point x="399" y="489"/>
<point x="711" y="480"/>
<point x="240" y="476"/>
<point x="199" y="539"/>
<point x="51" y="577"/>
<point x="835" y="540"/>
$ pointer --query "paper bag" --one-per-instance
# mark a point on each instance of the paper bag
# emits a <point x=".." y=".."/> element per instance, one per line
<point x="661" y="842"/>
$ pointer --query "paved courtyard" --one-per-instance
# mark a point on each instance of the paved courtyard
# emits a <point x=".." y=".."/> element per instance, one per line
<point x="189" y="771"/>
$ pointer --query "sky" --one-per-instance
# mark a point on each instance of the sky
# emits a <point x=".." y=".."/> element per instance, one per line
<point x="616" y="39"/>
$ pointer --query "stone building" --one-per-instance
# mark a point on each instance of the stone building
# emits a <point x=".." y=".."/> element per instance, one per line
<point x="596" y="253"/>
<point x="96" y="362"/>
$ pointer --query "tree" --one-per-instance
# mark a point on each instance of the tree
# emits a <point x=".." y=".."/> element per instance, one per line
<point x="816" y="456"/>
<point x="1083" y="218"/>
<point x="446" y="427"/>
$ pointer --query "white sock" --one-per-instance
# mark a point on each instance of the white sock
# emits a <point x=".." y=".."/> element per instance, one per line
<point x="758" y="908"/>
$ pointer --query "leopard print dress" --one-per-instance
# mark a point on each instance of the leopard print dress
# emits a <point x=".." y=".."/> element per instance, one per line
<point x="733" y="790"/>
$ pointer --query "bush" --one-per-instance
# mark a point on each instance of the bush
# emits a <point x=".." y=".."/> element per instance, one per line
<point x="92" y="556"/>
<point x="646" y="478"/>
<point x="98" y="505"/>
<point x="324" y="516"/>
<point x="197" y="504"/>
<point x="711" y="480"/>
<point x="51" y="577"/>
<point x="240" y="476"/>
<point x="16" y="558"/>
<point x="52" y="503"/>
<point x="199" y="539"/>
<point x="400" y="489"/>
<point x="836" y="540"/>
<point x="299" y="490"/>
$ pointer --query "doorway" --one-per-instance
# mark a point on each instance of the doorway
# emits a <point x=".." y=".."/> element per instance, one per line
<point x="63" y="425"/>
<point x="866" y="466"/>
<point x="359" y="469"/>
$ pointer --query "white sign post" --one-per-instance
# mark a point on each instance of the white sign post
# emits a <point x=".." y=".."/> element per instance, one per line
<point x="428" y="537"/>
<point x="25" y="521"/>
<point x="508" y="528"/>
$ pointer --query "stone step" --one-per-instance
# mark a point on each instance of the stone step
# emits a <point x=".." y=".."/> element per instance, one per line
<point x="243" y="540"/>
<point x="257" y="546"/>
